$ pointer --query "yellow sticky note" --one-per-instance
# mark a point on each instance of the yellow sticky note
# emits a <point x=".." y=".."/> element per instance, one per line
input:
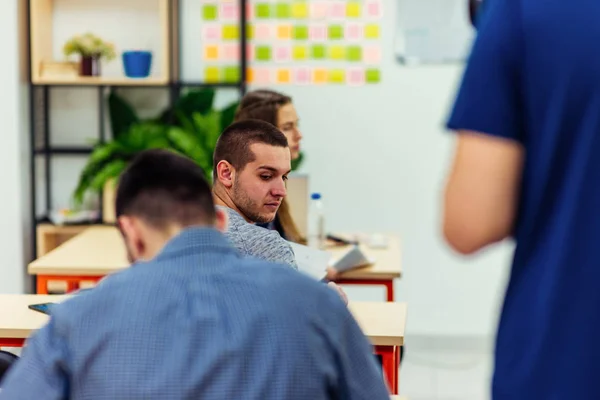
<point x="320" y="75"/>
<point x="353" y="9"/>
<point x="372" y="31"/>
<point x="250" y="31"/>
<point x="211" y="74"/>
<point x="284" y="76"/>
<point x="299" y="53"/>
<point x="231" y="32"/>
<point x="211" y="53"/>
<point x="300" y="10"/>
<point x="337" y="52"/>
<point x="284" y="32"/>
<point x="337" y="76"/>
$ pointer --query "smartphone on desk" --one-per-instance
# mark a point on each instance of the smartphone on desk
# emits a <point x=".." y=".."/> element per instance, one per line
<point x="44" y="308"/>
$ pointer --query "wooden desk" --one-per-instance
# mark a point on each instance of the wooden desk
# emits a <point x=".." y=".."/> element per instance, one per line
<point x="89" y="256"/>
<point x="382" y="323"/>
<point x="387" y="266"/>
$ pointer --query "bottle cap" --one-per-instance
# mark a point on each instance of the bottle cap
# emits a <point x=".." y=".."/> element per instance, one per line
<point x="315" y="196"/>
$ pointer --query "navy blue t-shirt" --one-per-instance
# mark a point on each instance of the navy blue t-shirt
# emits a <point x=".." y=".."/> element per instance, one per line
<point x="534" y="77"/>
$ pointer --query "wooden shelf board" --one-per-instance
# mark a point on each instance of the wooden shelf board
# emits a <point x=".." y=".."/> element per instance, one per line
<point x="101" y="81"/>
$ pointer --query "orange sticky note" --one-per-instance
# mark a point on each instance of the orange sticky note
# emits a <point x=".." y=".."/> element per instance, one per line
<point x="249" y="75"/>
<point x="320" y="75"/>
<point x="211" y="53"/>
<point x="284" y="32"/>
<point x="284" y="76"/>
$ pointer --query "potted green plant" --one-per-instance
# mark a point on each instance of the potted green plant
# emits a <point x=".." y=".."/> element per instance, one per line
<point x="91" y="50"/>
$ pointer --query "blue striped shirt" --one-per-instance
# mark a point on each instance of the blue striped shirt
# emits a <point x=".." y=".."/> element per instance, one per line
<point x="199" y="321"/>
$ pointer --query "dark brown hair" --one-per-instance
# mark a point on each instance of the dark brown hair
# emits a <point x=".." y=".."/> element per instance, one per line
<point x="262" y="105"/>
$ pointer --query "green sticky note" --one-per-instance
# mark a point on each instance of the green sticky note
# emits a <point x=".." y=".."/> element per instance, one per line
<point x="353" y="9"/>
<point x="231" y="74"/>
<point x="372" y="31"/>
<point x="318" y="52"/>
<point x="300" y="32"/>
<point x="372" y="76"/>
<point x="263" y="10"/>
<point x="283" y="10"/>
<point x="299" y="53"/>
<point x="336" y="32"/>
<point x="263" y="53"/>
<point x="210" y="12"/>
<point x="354" y="53"/>
<point x="211" y="74"/>
<point x="337" y="76"/>
<point x="231" y="32"/>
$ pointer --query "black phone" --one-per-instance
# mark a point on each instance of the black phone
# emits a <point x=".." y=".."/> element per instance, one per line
<point x="44" y="308"/>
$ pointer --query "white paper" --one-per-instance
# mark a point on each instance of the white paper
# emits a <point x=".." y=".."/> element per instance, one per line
<point x="311" y="261"/>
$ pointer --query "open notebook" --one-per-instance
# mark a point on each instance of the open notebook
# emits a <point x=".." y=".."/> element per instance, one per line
<point x="314" y="262"/>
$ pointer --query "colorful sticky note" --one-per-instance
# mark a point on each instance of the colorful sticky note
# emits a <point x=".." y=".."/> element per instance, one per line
<point x="211" y="32"/>
<point x="250" y="31"/>
<point x="356" y="76"/>
<point x="263" y="53"/>
<point x="337" y="76"/>
<point x="262" y="76"/>
<point x="372" y="76"/>
<point x="354" y="31"/>
<point x="372" y="55"/>
<point x="231" y="52"/>
<point x="284" y="32"/>
<point x="250" y="52"/>
<point x="336" y="32"/>
<point x="229" y="11"/>
<point x="231" y="74"/>
<point x="282" y="53"/>
<point x="262" y="10"/>
<point x="211" y="74"/>
<point x="262" y="31"/>
<point x="337" y="52"/>
<point x="337" y="9"/>
<point x="250" y="11"/>
<point x="283" y="10"/>
<point x="318" y="52"/>
<point x="210" y="12"/>
<point x="373" y="8"/>
<point x="317" y="32"/>
<point x="299" y="53"/>
<point x="211" y="52"/>
<point x="353" y="9"/>
<point x="302" y="76"/>
<point x="300" y="10"/>
<point x="231" y="32"/>
<point x="284" y="76"/>
<point x="319" y="75"/>
<point x="354" y="53"/>
<point x="300" y="32"/>
<point x="318" y="9"/>
<point x="372" y="31"/>
<point x="250" y="75"/>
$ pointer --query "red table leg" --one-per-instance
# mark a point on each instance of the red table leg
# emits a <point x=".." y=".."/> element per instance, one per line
<point x="389" y="284"/>
<point x="6" y="342"/>
<point x="73" y="282"/>
<point x="390" y="363"/>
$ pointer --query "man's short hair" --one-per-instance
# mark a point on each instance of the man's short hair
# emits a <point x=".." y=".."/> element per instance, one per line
<point x="234" y="143"/>
<point x="162" y="188"/>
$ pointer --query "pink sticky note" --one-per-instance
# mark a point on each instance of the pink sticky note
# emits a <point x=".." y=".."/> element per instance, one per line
<point x="250" y="53"/>
<point x="356" y="76"/>
<point x="283" y="54"/>
<point x="262" y="76"/>
<point x="250" y="11"/>
<point x="373" y="8"/>
<point x="337" y="9"/>
<point x="318" y="9"/>
<point x="354" y="31"/>
<point x="229" y="11"/>
<point x="317" y="32"/>
<point x="263" y="32"/>
<point x="302" y="76"/>
<point x="211" y="32"/>
<point x="372" y="54"/>
<point x="231" y="52"/>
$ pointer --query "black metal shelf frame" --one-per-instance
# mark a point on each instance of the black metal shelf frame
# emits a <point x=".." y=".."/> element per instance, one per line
<point x="40" y="93"/>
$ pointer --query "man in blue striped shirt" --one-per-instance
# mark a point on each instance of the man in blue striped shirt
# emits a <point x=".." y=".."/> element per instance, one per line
<point x="192" y="318"/>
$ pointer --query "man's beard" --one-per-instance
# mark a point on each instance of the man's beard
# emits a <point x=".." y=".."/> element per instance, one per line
<point x="247" y="206"/>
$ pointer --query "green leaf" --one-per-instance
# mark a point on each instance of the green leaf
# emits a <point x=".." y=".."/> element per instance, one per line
<point x="208" y="127"/>
<point x="297" y="162"/>
<point x="122" y="115"/>
<point x="187" y="143"/>
<point x="228" y="114"/>
<point x="194" y="101"/>
<point x="110" y="171"/>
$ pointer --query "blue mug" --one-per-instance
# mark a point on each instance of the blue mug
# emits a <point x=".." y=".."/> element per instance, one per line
<point x="137" y="63"/>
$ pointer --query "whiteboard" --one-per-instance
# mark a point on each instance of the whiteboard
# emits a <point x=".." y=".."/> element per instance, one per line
<point x="433" y="31"/>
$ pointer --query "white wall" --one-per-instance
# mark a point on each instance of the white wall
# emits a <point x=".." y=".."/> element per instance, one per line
<point x="379" y="155"/>
<point x="14" y="172"/>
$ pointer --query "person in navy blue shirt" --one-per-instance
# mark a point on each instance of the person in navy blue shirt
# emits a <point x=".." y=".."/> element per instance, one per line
<point x="527" y="167"/>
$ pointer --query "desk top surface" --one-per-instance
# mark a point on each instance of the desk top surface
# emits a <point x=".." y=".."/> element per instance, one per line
<point x="382" y="323"/>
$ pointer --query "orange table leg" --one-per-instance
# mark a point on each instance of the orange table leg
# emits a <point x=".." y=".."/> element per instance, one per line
<point x="390" y="356"/>
<point x="42" y="285"/>
<point x="73" y="281"/>
<point x="389" y="284"/>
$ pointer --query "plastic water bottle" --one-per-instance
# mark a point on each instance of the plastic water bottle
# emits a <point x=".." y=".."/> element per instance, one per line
<point x="316" y="222"/>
